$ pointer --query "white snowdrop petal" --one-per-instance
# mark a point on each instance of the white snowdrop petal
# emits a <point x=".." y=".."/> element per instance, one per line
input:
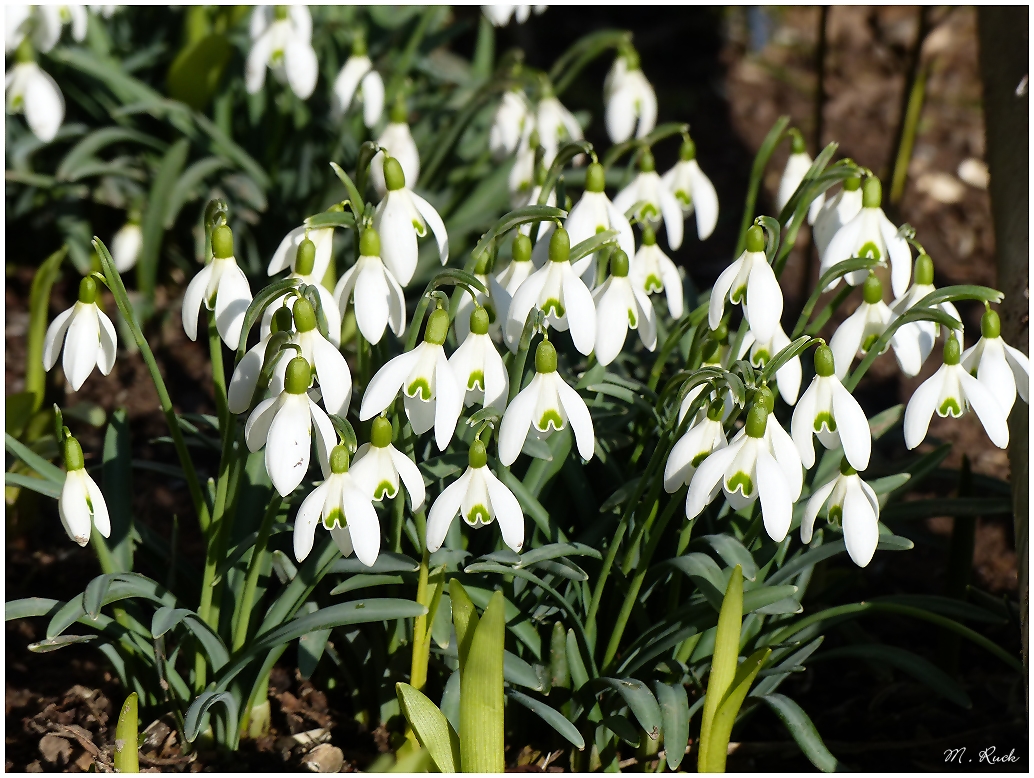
<point x="580" y="313"/>
<point x="301" y="66"/>
<point x="193" y="299"/>
<point x="705" y="200"/>
<point x="1020" y="366"/>
<point x="987" y="408"/>
<point x="72" y="508"/>
<point x="513" y="430"/>
<point x="612" y="323"/>
<point x="860" y="525"/>
<point x="371" y="301"/>
<point x="852" y="426"/>
<point x="108" y="343"/>
<point x="449" y="401"/>
<point x="410" y="475"/>
<point x="231" y="303"/>
<point x="996" y="375"/>
<point x="814" y="506"/>
<point x="508" y="513"/>
<point x="708" y="476"/>
<point x="44" y="105"/>
<point x="764" y="300"/>
<point x="363" y="527"/>
<point x="801" y="428"/>
<point x="434" y="221"/>
<point x="288" y="443"/>
<point x="373" y="97"/>
<point x="776" y="505"/>
<point x="900" y="258"/>
<point x="55" y="337"/>
<point x="256" y="430"/>
<point x="333" y="375"/>
<point x="258" y="59"/>
<point x="100" y="508"/>
<point x="326" y="436"/>
<point x="444" y="510"/>
<point x="81" y="346"/>
<point x="579" y="417"/>
<point x="305" y="521"/>
<point x="348" y="79"/>
<point x="846" y="341"/>
<point x="671" y="210"/>
<point x="720" y="292"/>
<point x="920" y="408"/>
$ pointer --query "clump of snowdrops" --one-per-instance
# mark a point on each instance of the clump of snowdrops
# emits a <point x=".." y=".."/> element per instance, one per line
<point x="640" y="472"/>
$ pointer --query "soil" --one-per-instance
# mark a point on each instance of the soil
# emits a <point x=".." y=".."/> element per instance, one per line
<point x="731" y="74"/>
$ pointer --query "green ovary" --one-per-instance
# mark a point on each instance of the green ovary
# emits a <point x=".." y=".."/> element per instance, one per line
<point x="950" y="406"/>
<point x="384" y="488"/>
<point x="740" y="480"/>
<point x="554" y="304"/>
<point x="420" y="386"/>
<point x="550" y="417"/>
<point x="825" y="418"/>
<point x="869" y="249"/>
<point x="476" y="381"/>
<point x="653" y="284"/>
<point x="335" y="517"/>
<point x="478" y="515"/>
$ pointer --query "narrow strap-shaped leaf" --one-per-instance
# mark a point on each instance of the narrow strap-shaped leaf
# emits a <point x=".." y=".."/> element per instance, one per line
<point x="481" y="694"/>
<point x="757" y="172"/>
<point x="29" y="607"/>
<point x="39" y="315"/>
<point x="565" y="154"/>
<point x="637" y="696"/>
<point x="529" y="214"/>
<point x="431" y="727"/>
<point x="257" y="308"/>
<point x="465" y="619"/>
<point x="153" y="224"/>
<point x="167" y="618"/>
<point x="593" y="244"/>
<point x="803" y="731"/>
<point x="674" y="704"/>
<point x="127" y="754"/>
<point x="554" y="718"/>
<point x="725" y="717"/>
<point x="723" y="661"/>
<point x="118" y="491"/>
<point x="38" y="485"/>
<point x="734" y="553"/>
<point x="197" y="710"/>
<point x="51" y="472"/>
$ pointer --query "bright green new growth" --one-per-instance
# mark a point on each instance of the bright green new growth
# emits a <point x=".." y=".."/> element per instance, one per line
<point x="521" y="248"/>
<point x="339" y="459"/>
<point x="872" y="193"/>
<point x="222" y="242"/>
<point x="478" y="455"/>
<point x="619" y="264"/>
<point x="756" y="239"/>
<point x="990" y="325"/>
<point x="824" y="365"/>
<point x="380" y="433"/>
<point x="127" y="756"/>
<point x="924" y="270"/>
<point x="952" y="350"/>
<point x="88" y="291"/>
<point x="545" y="358"/>
<point x="872" y="289"/>
<point x="73" y="455"/>
<point x="437" y="329"/>
<point x="304" y="315"/>
<point x="298" y="376"/>
<point x="647" y="164"/>
<point x="394" y="177"/>
<point x="481" y="693"/>
<point x="479" y="320"/>
<point x="723" y="662"/>
<point x="370" y="243"/>
<point x="559" y="245"/>
<point x="595" y="178"/>
<point x="688" y="150"/>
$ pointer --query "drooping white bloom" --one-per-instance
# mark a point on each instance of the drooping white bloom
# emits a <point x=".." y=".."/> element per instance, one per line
<point x="545" y="406"/>
<point x="559" y="293"/>
<point x="870" y="233"/>
<point x="29" y="90"/>
<point x="286" y="254"/>
<point x="555" y="126"/>
<point x="283" y="424"/>
<point x="480" y="498"/>
<point x="693" y="190"/>
<point x="478" y="367"/>
<point x="797" y="166"/>
<point x="851" y="503"/>
<point x="828" y="411"/>
<point x="468" y="303"/>
<point x="629" y="98"/>
<point x="511" y="123"/>
<point x="126" y="246"/>
<point x="652" y="271"/>
<point x="81" y="505"/>
<point x="378" y="466"/>
<point x="620" y="306"/>
<point x="655" y="200"/>
<point x="282" y="41"/>
<point x="396" y="142"/>
<point x="41" y="25"/>
<point x="951" y="391"/>
<point x="222" y="287"/>
<point x="506" y="282"/>
<point x="1002" y="370"/>
<point x="399" y="219"/>
<point x="358" y="80"/>
<point x="241" y="392"/>
<point x="746" y="469"/>
<point x="702" y="439"/>
<point x="836" y="212"/>
<point x="329" y="365"/>
<point x="87" y="335"/>
<point x="345" y="510"/>
<point x="594" y="213"/>
<point x="920" y="336"/>
<point x="431" y="393"/>
<point x="305" y="272"/>
<point x="521" y="179"/>
<point x="378" y="298"/>
<point x="788" y="377"/>
<point x="499" y="15"/>
<point x="860" y="331"/>
<point x="751" y="282"/>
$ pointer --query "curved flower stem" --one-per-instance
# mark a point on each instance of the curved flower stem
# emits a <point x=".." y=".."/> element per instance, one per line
<point x="258" y="559"/>
<point x="521" y="357"/>
<point x="215" y="348"/>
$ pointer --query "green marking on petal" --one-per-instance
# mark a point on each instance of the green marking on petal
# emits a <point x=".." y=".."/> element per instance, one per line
<point x="419" y="385"/>
<point x="684" y="198"/>
<point x="649" y="212"/>
<point x="740" y="481"/>
<point x="632" y="321"/>
<point x="760" y="357"/>
<point x="825" y="418"/>
<point x="739" y="294"/>
<point x="554" y="304"/>
<point x="420" y="227"/>
<point x="699" y="458"/>
<point x="870" y="341"/>
<point x="476" y="381"/>
<point x="478" y="516"/>
<point x="950" y="406"/>
<point x="869" y="249"/>
<point x="384" y="489"/>
<point x="335" y="518"/>
<point x="836" y="514"/>
<point x="550" y="417"/>
<point x="653" y="284"/>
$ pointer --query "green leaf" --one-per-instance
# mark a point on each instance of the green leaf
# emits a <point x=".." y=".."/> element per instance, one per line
<point x="723" y="663"/>
<point x="554" y="718"/>
<point x="946" y="606"/>
<point x="195" y="73"/>
<point x="153" y="224"/>
<point x="529" y="214"/>
<point x="118" y="492"/>
<point x="197" y="710"/>
<point x="310" y="649"/>
<point x="813" y="556"/>
<point x="39" y="314"/>
<point x="775" y="676"/>
<point x="331" y="219"/>
<point x="593" y="244"/>
<point x="565" y="154"/>
<point x="517" y="671"/>
<point x="167" y="618"/>
<point x="126" y="755"/>
<point x="38" y="485"/>
<point x="51" y="472"/>
<point x="674" y="704"/>
<point x="757" y="172"/>
<point x="188" y="183"/>
<point x="465" y="619"/>
<point x="362" y="581"/>
<point x="355" y="198"/>
<point x="481" y="694"/>
<point x="258" y="306"/>
<point x="803" y="731"/>
<point x="29" y="607"/>
<point x="705" y="574"/>
<point x="623" y="728"/>
<point x="431" y="727"/>
<point x="62" y="641"/>
<point x="554" y="550"/>
<point x="83" y="152"/>
<point x="733" y="553"/>
<point x="725" y="717"/>
<point x="947" y="506"/>
<point x="637" y="696"/>
<point x="387" y="562"/>
<point x="104" y="590"/>
<point x="765" y="597"/>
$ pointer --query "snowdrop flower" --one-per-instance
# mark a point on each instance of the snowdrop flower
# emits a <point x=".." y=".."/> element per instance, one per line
<point x="656" y="200"/>
<point x="559" y="293"/>
<point x="751" y="282"/>
<point x="920" y="335"/>
<point x="511" y="123"/>
<point x="478" y="367"/>
<point x="467" y="303"/>
<point x="499" y="15"/>
<point x="693" y="190"/>
<point x="871" y="234"/>
<point x="860" y="331"/>
<point x="700" y="441"/>
<point x="283" y="424"/>
<point x="788" y="377"/>
<point x="523" y="174"/>
<point x="126" y="246"/>
<point x="629" y="98"/>
<point x="506" y="282"/>
<point x="397" y="142"/>
<point x="241" y="391"/>
<point x="555" y="125"/>
<point x="41" y="25"/>
<point x="282" y="41"/>
<point x="87" y="335"/>
<point x="81" y="504"/>
<point x="346" y="511"/>
<point x="328" y="363"/>
<point x="379" y="300"/>
<point x="379" y="465"/>
<point x="286" y="254"/>
<point x="432" y="395"/>
<point x="479" y="497"/>
<point x="31" y="91"/>
<point x="399" y="219"/>
<point x="652" y="271"/>
<point x="836" y="212"/>
<point x="545" y="406"/>
<point x="745" y="470"/>
<point x="221" y="286"/>
<point x="305" y="272"/>
<point x="358" y="80"/>
<point x="797" y="166"/>
<point x="1002" y="369"/>
<point x="594" y="213"/>
<point x="620" y="306"/>
<point x="951" y="391"/>
<point x="851" y="503"/>
<point x="830" y="412"/>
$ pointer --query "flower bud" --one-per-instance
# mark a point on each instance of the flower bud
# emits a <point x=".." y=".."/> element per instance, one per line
<point x="521" y="248"/>
<point x="339" y="459"/>
<point x="222" y="242"/>
<point x="721" y="333"/>
<point x="394" y="178"/>
<point x="88" y="290"/>
<point x="380" y="433"/>
<point x="595" y="178"/>
<point x="478" y="455"/>
<point x="872" y="193"/>
<point x="619" y="264"/>
<point x="304" y="315"/>
<point x="370" y="243"/>
<point x="872" y="290"/>
<point x="990" y="324"/>
<point x="298" y="376"/>
<point x="305" y="259"/>
<point x="545" y="358"/>
<point x="797" y="144"/>
<point x="479" y="321"/>
<point x="559" y="245"/>
<point x="73" y="455"/>
<point x="437" y="328"/>
<point x="824" y="361"/>
<point x="755" y="239"/>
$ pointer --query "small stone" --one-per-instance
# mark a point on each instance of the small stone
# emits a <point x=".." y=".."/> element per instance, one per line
<point x="942" y="187"/>
<point x="84" y="762"/>
<point x="974" y="172"/>
<point x="55" y="750"/>
<point x="34" y="767"/>
<point x="324" y="758"/>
